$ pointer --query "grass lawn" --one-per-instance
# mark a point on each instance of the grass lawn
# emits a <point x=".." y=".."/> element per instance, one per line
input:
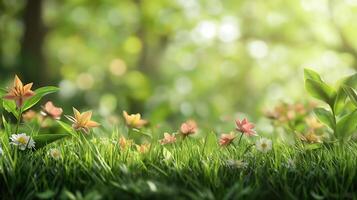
<point x="98" y="168"/>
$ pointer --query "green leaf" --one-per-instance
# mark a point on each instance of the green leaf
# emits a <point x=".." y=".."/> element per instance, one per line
<point x="2" y="92"/>
<point x="67" y="128"/>
<point x="321" y="91"/>
<point x="312" y="146"/>
<point x="352" y="94"/>
<point x="7" y="126"/>
<point x="339" y="101"/>
<point x="44" y="139"/>
<point x="310" y="74"/>
<point x="48" y="194"/>
<point x="325" y="117"/>
<point x="347" y="125"/>
<point x="10" y="106"/>
<point x="39" y="94"/>
<point x="351" y="80"/>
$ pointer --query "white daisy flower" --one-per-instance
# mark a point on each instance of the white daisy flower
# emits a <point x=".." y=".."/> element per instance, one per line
<point x="263" y="144"/>
<point x="238" y="164"/>
<point x="22" y="141"/>
<point x="55" y="154"/>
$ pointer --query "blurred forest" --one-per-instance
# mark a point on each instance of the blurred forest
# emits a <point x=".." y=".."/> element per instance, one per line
<point x="175" y="59"/>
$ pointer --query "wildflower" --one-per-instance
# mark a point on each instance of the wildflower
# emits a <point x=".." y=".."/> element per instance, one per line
<point x="143" y="148"/>
<point x="134" y="120"/>
<point x="311" y="137"/>
<point x="29" y="115"/>
<point x="50" y="110"/>
<point x="238" y="164"/>
<point x="299" y="108"/>
<point x="19" y="93"/>
<point x="55" y="154"/>
<point x="227" y="139"/>
<point x="168" y="139"/>
<point x="124" y="143"/>
<point x="22" y="141"/>
<point x="82" y="121"/>
<point x="245" y="127"/>
<point x="313" y="123"/>
<point x="264" y="145"/>
<point x="188" y="128"/>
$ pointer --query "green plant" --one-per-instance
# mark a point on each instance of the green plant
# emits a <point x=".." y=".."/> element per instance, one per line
<point x="340" y="116"/>
<point x="13" y="106"/>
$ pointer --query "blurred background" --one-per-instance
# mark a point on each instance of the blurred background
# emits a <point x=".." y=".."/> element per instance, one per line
<point x="176" y="59"/>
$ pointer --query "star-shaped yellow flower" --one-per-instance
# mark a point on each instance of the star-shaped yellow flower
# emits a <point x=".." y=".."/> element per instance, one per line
<point x="134" y="120"/>
<point x="19" y="93"/>
<point x="82" y="121"/>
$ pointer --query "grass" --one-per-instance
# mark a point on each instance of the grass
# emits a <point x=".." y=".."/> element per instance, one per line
<point x="96" y="168"/>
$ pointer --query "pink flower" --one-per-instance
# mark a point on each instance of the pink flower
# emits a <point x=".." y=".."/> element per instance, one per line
<point x="245" y="127"/>
<point x="168" y="139"/>
<point x="226" y="139"/>
<point x="50" y="110"/>
<point x="188" y="128"/>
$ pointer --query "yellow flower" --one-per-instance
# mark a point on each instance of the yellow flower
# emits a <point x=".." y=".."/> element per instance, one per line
<point x="29" y="115"/>
<point x="143" y="148"/>
<point x="124" y="143"/>
<point x="311" y="137"/>
<point x="19" y="93"/>
<point x="313" y="123"/>
<point x="134" y="120"/>
<point x="82" y="122"/>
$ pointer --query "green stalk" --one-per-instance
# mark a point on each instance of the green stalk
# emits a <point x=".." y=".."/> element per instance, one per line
<point x="240" y="138"/>
<point x="18" y="121"/>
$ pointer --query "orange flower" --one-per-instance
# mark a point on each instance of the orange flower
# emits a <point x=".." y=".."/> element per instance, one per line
<point x="82" y="121"/>
<point x="188" y="128"/>
<point x="19" y="93"/>
<point x="227" y="139"/>
<point x="143" y="148"/>
<point x="168" y="139"/>
<point x="29" y="115"/>
<point x="124" y="143"/>
<point x="313" y="123"/>
<point x="51" y="110"/>
<point x="311" y="137"/>
<point x="134" y="120"/>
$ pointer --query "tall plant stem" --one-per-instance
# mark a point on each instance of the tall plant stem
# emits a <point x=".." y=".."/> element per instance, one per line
<point x="18" y="121"/>
<point x="240" y="138"/>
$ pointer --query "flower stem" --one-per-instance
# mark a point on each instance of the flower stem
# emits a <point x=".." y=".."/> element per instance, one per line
<point x="240" y="138"/>
<point x="18" y="121"/>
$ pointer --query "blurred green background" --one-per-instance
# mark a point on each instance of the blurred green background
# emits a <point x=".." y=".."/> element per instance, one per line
<point x="176" y="59"/>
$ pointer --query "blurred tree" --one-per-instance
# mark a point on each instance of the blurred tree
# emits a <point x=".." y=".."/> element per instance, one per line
<point x="32" y="63"/>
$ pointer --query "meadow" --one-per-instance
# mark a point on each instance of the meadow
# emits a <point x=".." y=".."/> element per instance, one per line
<point x="47" y="154"/>
<point x="178" y="99"/>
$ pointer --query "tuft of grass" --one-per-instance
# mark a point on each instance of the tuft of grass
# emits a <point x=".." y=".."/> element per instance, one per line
<point x="96" y="168"/>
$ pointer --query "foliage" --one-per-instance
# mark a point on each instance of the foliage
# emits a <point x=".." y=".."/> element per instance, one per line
<point x="340" y="117"/>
